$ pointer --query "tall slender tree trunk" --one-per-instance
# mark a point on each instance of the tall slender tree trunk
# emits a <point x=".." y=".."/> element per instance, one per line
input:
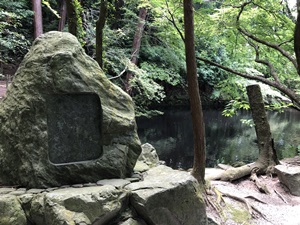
<point x="136" y="46"/>
<point x="267" y="158"/>
<point x="194" y="95"/>
<point x="72" y="17"/>
<point x="297" y="37"/>
<point x="267" y="155"/>
<point x="38" y="18"/>
<point x="63" y="15"/>
<point x="119" y="12"/>
<point x="99" y="32"/>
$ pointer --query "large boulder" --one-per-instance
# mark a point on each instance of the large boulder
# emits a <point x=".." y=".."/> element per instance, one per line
<point x="62" y="121"/>
<point x="89" y="205"/>
<point x="168" y="196"/>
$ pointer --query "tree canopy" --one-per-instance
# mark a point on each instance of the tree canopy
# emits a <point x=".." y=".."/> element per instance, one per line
<point x="253" y="39"/>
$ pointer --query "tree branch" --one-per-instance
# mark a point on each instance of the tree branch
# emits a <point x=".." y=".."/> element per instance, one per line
<point x="279" y="86"/>
<point x="172" y="20"/>
<point x="120" y="74"/>
<point x="261" y="41"/>
<point x="264" y="62"/>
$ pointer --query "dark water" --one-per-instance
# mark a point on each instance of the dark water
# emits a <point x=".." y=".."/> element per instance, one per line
<point x="228" y="140"/>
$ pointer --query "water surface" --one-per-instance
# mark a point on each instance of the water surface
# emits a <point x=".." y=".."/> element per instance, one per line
<point x="228" y="140"/>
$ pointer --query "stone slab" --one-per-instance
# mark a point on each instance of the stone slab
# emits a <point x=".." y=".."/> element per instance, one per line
<point x="290" y="177"/>
<point x="74" y="127"/>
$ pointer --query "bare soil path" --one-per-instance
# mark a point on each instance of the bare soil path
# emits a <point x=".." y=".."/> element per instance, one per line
<point x="277" y="208"/>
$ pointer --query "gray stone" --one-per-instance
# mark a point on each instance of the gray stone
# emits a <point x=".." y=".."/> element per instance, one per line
<point x="11" y="211"/>
<point x="141" y="166"/>
<point x="147" y="159"/>
<point x="74" y="125"/>
<point x="168" y="196"/>
<point x="77" y="185"/>
<point x="132" y="221"/>
<point x="57" y="66"/>
<point x="133" y="179"/>
<point x="165" y="197"/>
<point x="35" y="191"/>
<point x="118" y="183"/>
<point x="290" y="177"/>
<point x="89" y="184"/>
<point x="92" y="205"/>
<point x="6" y="190"/>
<point x="88" y="205"/>
<point x="18" y="192"/>
<point x="149" y="155"/>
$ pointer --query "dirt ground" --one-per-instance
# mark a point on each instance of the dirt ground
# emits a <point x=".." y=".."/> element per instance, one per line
<point x="277" y="208"/>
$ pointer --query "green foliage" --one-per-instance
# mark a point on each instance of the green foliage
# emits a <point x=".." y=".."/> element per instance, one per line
<point x="247" y="122"/>
<point x="265" y="20"/>
<point x="14" y="36"/>
<point x="80" y="31"/>
<point x="48" y="5"/>
<point x="235" y="105"/>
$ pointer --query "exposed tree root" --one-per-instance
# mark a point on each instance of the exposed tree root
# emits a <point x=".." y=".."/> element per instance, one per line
<point x="215" y="199"/>
<point x="261" y="187"/>
<point x="250" y="207"/>
<point x="234" y="173"/>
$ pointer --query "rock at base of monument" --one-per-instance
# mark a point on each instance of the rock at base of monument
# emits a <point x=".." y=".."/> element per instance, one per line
<point x="168" y="196"/>
<point x="165" y="197"/>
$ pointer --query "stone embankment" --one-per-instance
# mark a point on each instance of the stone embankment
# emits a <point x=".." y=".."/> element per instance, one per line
<point x="158" y="195"/>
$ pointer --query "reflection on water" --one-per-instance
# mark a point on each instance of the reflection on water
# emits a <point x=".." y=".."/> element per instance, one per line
<point x="227" y="139"/>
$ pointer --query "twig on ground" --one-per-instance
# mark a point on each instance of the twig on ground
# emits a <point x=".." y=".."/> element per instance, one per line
<point x="280" y="196"/>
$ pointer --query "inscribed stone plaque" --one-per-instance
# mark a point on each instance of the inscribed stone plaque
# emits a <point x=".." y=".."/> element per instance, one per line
<point x="74" y="127"/>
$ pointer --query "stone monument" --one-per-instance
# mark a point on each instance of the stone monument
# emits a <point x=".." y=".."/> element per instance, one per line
<point x="62" y="121"/>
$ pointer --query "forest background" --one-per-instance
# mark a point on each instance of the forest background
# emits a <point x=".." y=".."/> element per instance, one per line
<point x="142" y="46"/>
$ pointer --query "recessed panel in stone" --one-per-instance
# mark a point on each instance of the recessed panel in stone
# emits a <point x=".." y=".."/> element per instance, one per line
<point x="74" y="127"/>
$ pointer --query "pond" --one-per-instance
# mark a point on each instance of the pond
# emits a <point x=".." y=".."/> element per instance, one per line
<point x="228" y="140"/>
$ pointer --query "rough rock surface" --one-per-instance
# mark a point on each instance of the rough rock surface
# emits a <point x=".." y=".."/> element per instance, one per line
<point x="90" y="205"/>
<point x="168" y="196"/>
<point x="290" y="177"/>
<point x="165" y="197"/>
<point x="147" y="159"/>
<point x="56" y="64"/>
<point x="11" y="211"/>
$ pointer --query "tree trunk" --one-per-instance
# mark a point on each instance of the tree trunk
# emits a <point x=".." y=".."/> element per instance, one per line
<point x="267" y="155"/>
<point x="136" y="46"/>
<point x="119" y="12"/>
<point x="267" y="158"/>
<point x="194" y="95"/>
<point x="72" y="17"/>
<point x="38" y="18"/>
<point x="297" y="38"/>
<point x="99" y="32"/>
<point x="63" y="15"/>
